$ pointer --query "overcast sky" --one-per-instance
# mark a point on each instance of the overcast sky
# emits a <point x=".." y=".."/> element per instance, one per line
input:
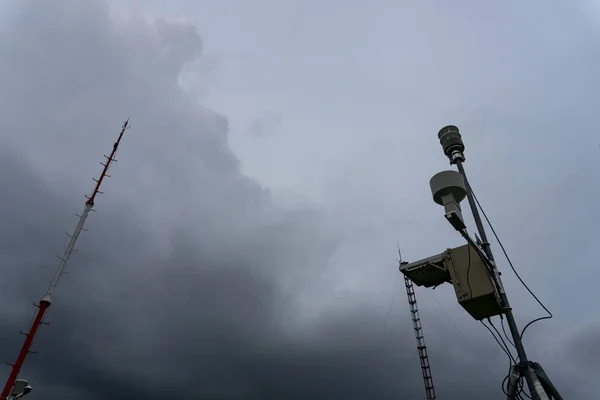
<point x="245" y="246"/>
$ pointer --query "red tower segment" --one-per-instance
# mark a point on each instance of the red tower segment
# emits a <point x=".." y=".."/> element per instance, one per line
<point x="109" y="159"/>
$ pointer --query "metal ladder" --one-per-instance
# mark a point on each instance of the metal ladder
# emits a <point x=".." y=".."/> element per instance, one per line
<point x="422" y="349"/>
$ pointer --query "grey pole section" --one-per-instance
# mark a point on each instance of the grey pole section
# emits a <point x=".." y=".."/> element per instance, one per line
<point x="453" y="146"/>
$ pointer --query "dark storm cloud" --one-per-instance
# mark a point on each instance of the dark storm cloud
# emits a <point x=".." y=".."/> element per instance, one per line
<point x="188" y="283"/>
<point x="203" y="323"/>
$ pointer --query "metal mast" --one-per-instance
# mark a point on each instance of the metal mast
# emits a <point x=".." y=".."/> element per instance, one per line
<point x="539" y="387"/>
<point x="421" y="347"/>
<point x="46" y="301"/>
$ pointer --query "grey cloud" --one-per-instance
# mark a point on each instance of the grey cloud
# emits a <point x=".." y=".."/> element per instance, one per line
<point x="586" y="349"/>
<point x="178" y="285"/>
<point x="190" y="281"/>
<point x="265" y="125"/>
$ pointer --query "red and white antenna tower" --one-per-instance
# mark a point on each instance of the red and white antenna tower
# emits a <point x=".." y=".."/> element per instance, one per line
<point x="46" y="301"/>
<point x="421" y="348"/>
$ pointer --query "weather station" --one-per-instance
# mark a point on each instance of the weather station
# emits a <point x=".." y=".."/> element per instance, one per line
<point x="472" y="271"/>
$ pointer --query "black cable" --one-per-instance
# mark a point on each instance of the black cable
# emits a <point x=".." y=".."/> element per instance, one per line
<point x="519" y="389"/>
<point x="510" y="356"/>
<point x="549" y="316"/>
<point x="522" y="389"/>
<point x="505" y="385"/>
<point x="501" y="338"/>
<point x="505" y="391"/>
<point x="506" y="334"/>
<point x="519" y="384"/>
<point x="510" y="360"/>
<point x="520" y="381"/>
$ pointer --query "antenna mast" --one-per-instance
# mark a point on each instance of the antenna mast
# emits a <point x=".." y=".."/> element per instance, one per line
<point x="421" y="347"/>
<point x="46" y="301"/>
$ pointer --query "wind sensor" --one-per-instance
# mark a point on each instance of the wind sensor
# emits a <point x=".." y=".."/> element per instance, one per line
<point x="471" y="268"/>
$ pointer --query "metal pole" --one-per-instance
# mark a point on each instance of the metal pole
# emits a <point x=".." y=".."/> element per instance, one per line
<point x="546" y="382"/>
<point x="453" y="147"/>
<point x="525" y="371"/>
